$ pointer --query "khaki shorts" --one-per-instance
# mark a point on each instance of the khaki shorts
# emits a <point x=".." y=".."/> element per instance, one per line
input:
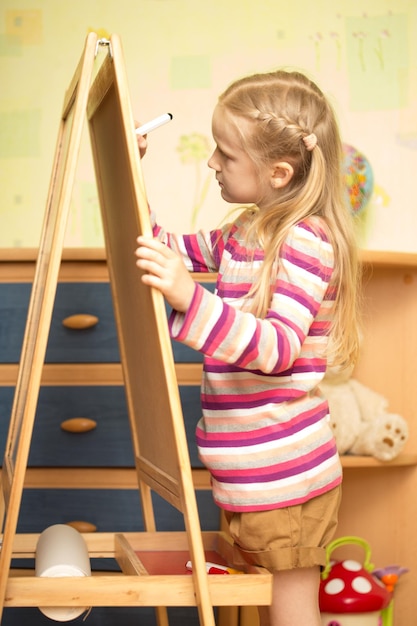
<point x="288" y="538"/>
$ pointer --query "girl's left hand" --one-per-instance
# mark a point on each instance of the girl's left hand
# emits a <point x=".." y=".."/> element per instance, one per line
<point x="165" y="270"/>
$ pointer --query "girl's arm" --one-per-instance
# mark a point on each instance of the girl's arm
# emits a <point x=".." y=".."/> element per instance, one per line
<point x="297" y="320"/>
<point x="200" y="252"/>
<point x="167" y="259"/>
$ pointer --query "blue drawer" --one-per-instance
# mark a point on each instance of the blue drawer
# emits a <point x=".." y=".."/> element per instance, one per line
<point x="92" y="345"/>
<point x="105" y="616"/>
<point x="108" y="445"/>
<point x="14" y="303"/>
<point x="97" y="344"/>
<point x="111" y="510"/>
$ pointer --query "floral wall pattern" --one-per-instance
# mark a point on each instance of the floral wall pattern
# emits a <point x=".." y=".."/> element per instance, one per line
<point x="180" y="54"/>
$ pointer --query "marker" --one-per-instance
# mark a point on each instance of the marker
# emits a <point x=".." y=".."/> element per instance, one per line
<point x="215" y="568"/>
<point x="153" y="124"/>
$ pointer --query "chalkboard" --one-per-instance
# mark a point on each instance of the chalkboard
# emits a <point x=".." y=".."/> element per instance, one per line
<point x="154" y="406"/>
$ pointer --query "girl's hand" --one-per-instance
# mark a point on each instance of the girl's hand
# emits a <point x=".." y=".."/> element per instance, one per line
<point x="165" y="271"/>
<point x="142" y="142"/>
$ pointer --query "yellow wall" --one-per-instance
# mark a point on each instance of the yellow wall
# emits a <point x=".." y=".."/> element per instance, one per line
<point x="180" y="54"/>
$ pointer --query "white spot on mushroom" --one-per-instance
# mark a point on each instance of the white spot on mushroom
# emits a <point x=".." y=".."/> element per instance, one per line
<point x="334" y="586"/>
<point x="361" y="584"/>
<point x="351" y="566"/>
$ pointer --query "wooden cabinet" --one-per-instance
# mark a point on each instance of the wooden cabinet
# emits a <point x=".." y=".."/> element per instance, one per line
<point x="91" y="475"/>
<point x="86" y="476"/>
<point x="380" y="499"/>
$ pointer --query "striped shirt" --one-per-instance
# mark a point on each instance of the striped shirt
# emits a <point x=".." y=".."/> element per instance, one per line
<point x="264" y="435"/>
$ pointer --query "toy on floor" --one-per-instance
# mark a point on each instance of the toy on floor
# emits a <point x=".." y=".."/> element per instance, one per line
<point x="352" y="594"/>
<point x="360" y="419"/>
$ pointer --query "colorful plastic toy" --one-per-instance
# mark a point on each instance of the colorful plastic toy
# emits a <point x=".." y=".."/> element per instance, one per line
<point x="354" y="594"/>
<point x="358" y="178"/>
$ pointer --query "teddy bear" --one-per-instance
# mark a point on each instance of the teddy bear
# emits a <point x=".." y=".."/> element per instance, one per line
<point x="360" y="419"/>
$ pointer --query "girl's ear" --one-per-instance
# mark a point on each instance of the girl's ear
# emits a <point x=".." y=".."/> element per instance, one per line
<point x="282" y="173"/>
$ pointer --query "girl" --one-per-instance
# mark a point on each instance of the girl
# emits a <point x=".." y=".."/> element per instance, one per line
<point x="285" y="303"/>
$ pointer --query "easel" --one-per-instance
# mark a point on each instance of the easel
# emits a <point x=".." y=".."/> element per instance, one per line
<point x="151" y="387"/>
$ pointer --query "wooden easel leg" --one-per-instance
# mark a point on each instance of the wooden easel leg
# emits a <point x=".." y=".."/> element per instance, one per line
<point x="41" y="303"/>
<point x="162" y="616"/>
<point x="147" y="506"/>
<point x="2" y="509"/>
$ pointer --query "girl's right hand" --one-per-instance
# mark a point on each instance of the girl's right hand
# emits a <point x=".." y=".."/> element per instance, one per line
<point x="142" y="142"/>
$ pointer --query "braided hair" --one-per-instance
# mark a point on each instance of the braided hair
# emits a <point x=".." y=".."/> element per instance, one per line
<point x="291" y="120"/>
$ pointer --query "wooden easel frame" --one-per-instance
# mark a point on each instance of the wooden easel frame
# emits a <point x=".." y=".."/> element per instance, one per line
<point x="149" y="374"/>
<point x="42" y="302"/>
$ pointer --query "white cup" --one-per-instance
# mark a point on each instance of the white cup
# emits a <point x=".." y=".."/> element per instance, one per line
<point x="61" y="551"/>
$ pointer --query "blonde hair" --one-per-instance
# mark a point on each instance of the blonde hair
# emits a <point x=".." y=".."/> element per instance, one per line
<point x="284" y="108"/>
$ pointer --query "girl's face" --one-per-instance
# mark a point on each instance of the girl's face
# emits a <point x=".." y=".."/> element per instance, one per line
<point x="240" y="181"/>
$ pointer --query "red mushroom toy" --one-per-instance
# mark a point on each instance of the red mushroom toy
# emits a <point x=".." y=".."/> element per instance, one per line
<point x="349" y="594"/>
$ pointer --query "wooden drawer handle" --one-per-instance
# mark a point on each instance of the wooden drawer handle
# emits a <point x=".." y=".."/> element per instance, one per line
<point x="83" y="526"/>
<point x="78" y="425"/>
<point x="80" y="321"/>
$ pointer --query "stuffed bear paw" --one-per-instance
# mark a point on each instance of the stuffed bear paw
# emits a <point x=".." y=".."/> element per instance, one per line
<point x="383" y="438"/>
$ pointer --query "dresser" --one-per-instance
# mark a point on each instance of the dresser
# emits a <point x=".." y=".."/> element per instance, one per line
<point x="88" y="477"/>
<point x="81" y="467"/>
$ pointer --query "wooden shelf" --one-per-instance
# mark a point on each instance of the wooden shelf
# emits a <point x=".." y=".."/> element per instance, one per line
<point x="402" y="460"/>
<point x="125" y="478"/>
<point x="19" y="264"/>
<point x="93" y="374"/>
<point x="95" y="478"/>
<point x="86" y="255"/>
<point x="381" y="258"/>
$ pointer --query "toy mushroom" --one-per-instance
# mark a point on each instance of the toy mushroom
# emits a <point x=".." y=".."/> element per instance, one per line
<point x="349" y="594"/>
